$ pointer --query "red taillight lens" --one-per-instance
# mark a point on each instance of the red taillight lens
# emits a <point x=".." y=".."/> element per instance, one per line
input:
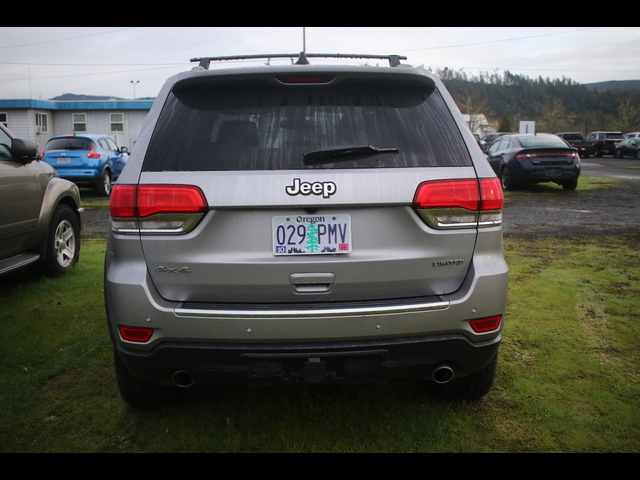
<point x="92" y="154"/>
<point x="156" y="209"/>
<point x="305" y="79"/>
<point x="449" y="204"/>
<point x="135" y="335"/>
<point x="448" y="194"/>
<point x="531" y="156"/>
<point x="123" y="201"/>
<point x="486" y="325"/>
<point x="169" y="199"/>
<point x="491" y="195"/>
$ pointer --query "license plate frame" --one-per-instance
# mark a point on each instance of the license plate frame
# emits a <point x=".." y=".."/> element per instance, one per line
<point x="312" y="235"/>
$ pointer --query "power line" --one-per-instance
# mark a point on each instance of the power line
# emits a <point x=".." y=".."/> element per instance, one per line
<point x="85" y="74"/>
<point x="25" y="64"/>
<point x="65" y="39"/>
<point x="498" y="41"/>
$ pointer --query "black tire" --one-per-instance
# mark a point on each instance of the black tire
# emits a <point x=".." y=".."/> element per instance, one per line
<point x="137" y="393"/>
<point x="638" y="155"/>
<point x="63" y="242"/>
<point x="570" y="185"/>
<point x="103" y="189"/>
<point x="472" y="387"/>
<point x="618" y="154"/>
<point x="505" y="178"/>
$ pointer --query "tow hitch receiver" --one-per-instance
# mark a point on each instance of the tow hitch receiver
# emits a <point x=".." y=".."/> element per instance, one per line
<point x="315" y="371"/>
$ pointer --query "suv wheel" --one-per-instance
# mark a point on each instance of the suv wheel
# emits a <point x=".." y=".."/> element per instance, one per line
<point x="140" y="394"/>
<point x="472" y="387"/>
<point x="63" y="242"/>
<point x="103" y="189"/>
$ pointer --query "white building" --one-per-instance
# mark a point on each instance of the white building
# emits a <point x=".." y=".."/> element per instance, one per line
<point x="479" y="125"/>
<point x="40" y="120"/>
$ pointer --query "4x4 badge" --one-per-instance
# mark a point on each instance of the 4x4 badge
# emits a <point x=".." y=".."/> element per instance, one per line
<point x="326" y="189"/>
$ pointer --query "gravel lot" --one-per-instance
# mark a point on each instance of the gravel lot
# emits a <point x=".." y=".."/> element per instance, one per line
<point x="609" y="207"/>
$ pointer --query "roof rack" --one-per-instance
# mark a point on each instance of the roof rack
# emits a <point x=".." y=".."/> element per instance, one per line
<point x="205" y="62"/>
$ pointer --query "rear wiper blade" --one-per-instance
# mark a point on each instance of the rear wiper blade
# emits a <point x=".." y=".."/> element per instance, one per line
<point x="317" y="156"/>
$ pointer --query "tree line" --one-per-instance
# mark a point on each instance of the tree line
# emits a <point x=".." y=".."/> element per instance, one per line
<point x="557" y="105"/>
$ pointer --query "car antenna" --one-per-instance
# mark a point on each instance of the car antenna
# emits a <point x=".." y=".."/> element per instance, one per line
<point x="303" y="60"/>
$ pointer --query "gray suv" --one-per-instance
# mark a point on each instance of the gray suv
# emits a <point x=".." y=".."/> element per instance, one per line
<point x="40" y="216"/>
<point x="305" y="225"/>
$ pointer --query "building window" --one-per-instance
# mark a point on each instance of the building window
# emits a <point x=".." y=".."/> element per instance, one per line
<point x="4" y="119"/>
<point x="117" y="122"/>
<point x="42" y="123"/>
<point x="79" y="123"/>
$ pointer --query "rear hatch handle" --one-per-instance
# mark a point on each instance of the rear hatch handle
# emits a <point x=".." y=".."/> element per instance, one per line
<point x="312" y="283"/>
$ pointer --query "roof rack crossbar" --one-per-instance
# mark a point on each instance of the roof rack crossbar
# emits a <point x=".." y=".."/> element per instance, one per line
<point x="205" y="62"/>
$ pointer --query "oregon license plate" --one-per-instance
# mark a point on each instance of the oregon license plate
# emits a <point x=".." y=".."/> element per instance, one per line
<point x="312" y="235"/>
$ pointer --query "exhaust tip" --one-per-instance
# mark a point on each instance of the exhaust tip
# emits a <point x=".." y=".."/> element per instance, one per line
<point x="183" y="379"/>
<point x="443" y="375"/>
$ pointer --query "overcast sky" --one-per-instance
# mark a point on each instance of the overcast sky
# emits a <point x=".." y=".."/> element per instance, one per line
<point x="44" y="62"/>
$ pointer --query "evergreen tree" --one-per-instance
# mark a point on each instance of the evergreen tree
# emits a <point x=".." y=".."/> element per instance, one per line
<point x="505" y="124"/>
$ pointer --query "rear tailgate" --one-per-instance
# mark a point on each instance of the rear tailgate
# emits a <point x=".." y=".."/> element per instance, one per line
<point x="279" y="230"/>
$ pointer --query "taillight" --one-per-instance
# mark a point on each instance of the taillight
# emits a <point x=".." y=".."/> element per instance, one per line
<point x="156" y="209"/>
<point x="135" y="335"/>
<point x="530" y="156"/>
<point x="92" y="153"/>
<point x="305" y="79"/>
<point x="486" y="325"/>
<point x="454" y="204"/>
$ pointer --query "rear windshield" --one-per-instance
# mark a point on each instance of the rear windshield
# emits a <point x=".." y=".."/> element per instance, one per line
<point x="273" y="129"/>
<point x="614" y="136"/>
<point x="542" y="142"/>
<point x="70" y="144"/>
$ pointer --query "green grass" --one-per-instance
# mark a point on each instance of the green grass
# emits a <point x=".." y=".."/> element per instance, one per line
<point x="91" y="201"/>
<point x="568" y="377"/>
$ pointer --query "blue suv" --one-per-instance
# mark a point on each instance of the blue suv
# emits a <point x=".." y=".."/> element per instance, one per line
<point x="87" y="160"/>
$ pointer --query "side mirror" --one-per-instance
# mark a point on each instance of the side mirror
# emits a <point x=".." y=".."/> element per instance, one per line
<point x="24" y="150"/>
<point x="124" y="150"/>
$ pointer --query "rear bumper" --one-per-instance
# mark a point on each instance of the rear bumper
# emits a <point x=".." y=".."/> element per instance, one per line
<point x="352" y="341"/>
<point x="526" y="172"/>
<point x="321" y="363"/>
<point x="81" y="177"/>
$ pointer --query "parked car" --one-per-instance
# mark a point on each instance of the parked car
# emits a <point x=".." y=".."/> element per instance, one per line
<point x="576" y="140"/>
<point x="286" y="225"/>
<point x="490" y="139"/>
<point x="40" y="219"/>
<point x="632" y="135"/>
<point x="628" y="148"/>
<point x="605" y="142"/>
<point x="522" y="159"/>
<point x="87" y="160"/>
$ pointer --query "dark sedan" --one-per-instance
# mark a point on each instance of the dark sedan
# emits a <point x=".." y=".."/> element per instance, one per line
<point x="628" y="148"/>
<point x="522" y="159"/>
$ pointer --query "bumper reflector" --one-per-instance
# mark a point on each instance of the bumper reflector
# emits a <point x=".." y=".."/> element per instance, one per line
<point x="486" y="325"/>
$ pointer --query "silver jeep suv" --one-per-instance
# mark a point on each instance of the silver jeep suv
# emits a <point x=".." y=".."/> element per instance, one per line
<point x="305" y="225"/>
